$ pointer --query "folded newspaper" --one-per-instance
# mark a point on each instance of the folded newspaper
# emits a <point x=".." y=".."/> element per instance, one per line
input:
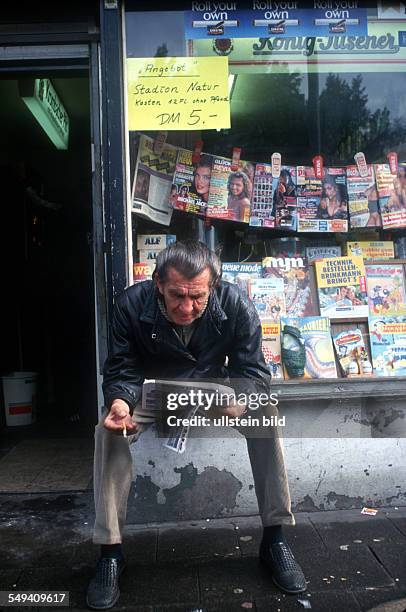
<point x="155" y="401"/>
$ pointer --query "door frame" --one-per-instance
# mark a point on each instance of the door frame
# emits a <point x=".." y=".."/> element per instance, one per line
<point x="16" y="60"/>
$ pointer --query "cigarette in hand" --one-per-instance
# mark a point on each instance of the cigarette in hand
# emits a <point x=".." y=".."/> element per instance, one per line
<point x="124" y="430"/>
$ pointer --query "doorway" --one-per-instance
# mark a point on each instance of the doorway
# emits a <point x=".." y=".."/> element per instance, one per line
<point x="48" y="322"/>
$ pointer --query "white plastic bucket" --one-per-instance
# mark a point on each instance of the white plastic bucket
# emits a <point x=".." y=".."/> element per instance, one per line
<point x="20" y="390"/>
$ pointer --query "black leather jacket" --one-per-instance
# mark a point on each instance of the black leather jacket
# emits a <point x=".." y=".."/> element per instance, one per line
<point x="145" y="345"/>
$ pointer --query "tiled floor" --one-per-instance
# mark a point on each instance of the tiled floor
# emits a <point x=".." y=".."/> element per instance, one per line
<point x="352" y="562"/>
<point x="46" y="465"/>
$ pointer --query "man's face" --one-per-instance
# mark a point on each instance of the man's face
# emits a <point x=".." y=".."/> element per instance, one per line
<point x="236" y="186"/>
<point x="202" y="179"/>
<point x="185" y="299"/>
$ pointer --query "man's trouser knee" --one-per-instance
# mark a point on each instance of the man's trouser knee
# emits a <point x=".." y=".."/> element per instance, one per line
<point x="265" y="450"/>
<point x="112" y="482"/>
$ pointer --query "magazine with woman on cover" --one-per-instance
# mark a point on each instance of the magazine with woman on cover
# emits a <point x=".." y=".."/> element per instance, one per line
<point x="230" y="190"/>
<point x="191" y="183"/>
<point x="322" y="204"/>
<point x="363" y="205"/>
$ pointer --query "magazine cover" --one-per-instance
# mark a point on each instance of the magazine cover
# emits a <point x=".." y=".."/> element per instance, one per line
<point x="271" y="348"/>
<point x="241" y="273"/>
<point x="314" y="334"/>
<point x="386" y="289"/>
<point x="268" y="297"/>
<point x="285" y="201"/>
<point x="388" y="345"/>
<point x="262" y="205"/>
<point x="297" y="283"/>
<point x="392" y="195"/>
<point x="152" y="181"/>
<point x="363" y="204"/>
<point x="230" y="192"/>
<point x="342" y="287"/>
<point x="351" y="352"/>
<point x="368" y="249"/>
<point x="322" y="205"/>
<point x="142" y="271"/>
<point x="317" y="253"/>
<point x="191" y="183"/>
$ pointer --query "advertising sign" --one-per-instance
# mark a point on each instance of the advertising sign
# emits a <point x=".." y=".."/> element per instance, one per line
<point x="41" y="98"/>
<point x="378" y="51"/>
<point x="226" y="20"/>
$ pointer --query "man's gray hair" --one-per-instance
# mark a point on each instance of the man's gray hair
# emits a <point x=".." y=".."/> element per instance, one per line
<point x="189" y="258"/>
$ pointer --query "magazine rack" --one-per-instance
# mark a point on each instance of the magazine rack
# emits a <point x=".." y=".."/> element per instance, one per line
<point x="353" y="387"/>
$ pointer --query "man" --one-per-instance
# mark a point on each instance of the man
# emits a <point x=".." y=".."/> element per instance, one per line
<point x="185" y="324"/>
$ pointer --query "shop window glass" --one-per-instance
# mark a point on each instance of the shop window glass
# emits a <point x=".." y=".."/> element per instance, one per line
<point x="302" y="97"/>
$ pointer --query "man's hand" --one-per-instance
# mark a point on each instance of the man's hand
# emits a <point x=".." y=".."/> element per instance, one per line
<point x="118" y="417"/>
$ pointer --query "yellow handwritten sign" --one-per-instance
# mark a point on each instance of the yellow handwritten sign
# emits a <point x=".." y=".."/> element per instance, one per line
<point x="178" y="93"/>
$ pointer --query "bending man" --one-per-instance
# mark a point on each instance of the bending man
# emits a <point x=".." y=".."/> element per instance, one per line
<point x="184" y="324"/>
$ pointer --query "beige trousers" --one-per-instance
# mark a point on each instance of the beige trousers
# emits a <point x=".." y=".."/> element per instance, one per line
<point x="113" y="477"/>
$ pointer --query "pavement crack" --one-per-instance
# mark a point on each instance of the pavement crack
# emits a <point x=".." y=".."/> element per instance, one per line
<point x="396" y="526"/>
<point x="381" y="563"/>
<point x="314" y="525"/>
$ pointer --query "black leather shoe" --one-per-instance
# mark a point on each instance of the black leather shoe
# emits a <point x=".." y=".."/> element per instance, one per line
<point x="103" y="591"/>
<point x="285" y="570"/>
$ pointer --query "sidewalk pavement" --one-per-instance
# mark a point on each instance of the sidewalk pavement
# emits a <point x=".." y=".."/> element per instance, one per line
<point x="352" y="561"/>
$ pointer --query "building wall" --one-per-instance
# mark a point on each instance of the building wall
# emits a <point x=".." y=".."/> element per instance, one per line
<point x="340" y="454"/>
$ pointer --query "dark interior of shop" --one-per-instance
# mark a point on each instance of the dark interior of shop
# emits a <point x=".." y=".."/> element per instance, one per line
<point x="47" y="266"/>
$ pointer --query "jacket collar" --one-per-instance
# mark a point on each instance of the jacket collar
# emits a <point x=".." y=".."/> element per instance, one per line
<point x="151" y="312"/>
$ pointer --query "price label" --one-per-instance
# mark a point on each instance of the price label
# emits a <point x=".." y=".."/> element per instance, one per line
<point x="178" y="93"/>
<point x="318" y="166"/>
<point x="276" y="165"/>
